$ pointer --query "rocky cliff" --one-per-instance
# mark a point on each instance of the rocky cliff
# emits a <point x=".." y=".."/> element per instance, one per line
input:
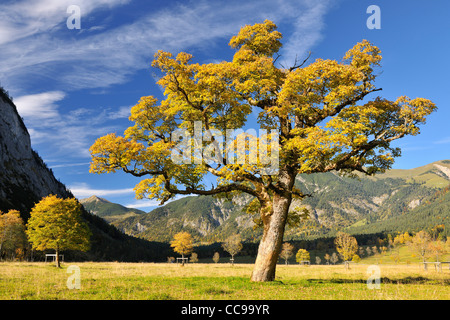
<point x="24" y="177"/>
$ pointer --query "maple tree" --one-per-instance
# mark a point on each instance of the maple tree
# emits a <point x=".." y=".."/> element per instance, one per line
<point x="12" y="231"/>
<point x="182" y="243"/>
<point x="346" y="245"/>
<point x="56" y="224"/>
<point x="287" y="251"/>
<point x="232" y="245"/>
<point x="302" y="256"/>
<point x="317" y="110"/>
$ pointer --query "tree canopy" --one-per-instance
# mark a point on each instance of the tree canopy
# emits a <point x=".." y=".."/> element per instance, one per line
<point x="56" y="224"/>
<point x="182" y="243"/>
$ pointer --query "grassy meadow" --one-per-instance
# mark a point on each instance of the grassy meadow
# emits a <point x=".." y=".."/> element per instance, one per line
<point x="209" y="281"/>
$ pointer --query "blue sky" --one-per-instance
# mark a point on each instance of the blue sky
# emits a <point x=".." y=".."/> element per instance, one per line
<point x="72" y="86"/>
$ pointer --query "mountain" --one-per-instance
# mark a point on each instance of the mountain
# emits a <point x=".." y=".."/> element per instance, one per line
<point x="206" y="218"/>
<point x="335" y="203"/>
<point x="432" y="212"/>
<point x="109" y="211"/>
<point x="24" y="177"/>
<point x="25" y="180"/>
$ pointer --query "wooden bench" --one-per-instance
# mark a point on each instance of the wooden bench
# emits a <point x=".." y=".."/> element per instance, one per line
<point x="186" y="260"/>
<point x="61" y="256"/>
<point x="437" y="265"/>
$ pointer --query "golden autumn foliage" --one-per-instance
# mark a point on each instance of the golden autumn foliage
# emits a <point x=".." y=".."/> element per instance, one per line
<point x="56" y="224"/>
<point x="182" y="243"/>
<point x="346" y="245"/>
<point x="314" y="107"/>
<point x="320" y="110"/>
<point x="12" y="231"/>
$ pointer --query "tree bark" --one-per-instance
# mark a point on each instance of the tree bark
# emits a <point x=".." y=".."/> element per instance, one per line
<point x="270" y="245"/>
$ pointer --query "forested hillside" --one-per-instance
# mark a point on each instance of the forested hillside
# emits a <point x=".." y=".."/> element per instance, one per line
<point x="335" y="203"/>
<point x="434" y="211"/>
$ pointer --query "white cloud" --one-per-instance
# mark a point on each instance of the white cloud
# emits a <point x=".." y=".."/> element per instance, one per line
<point x="141" y="204"/>
<point x="39" y="106"/>
<point x="120" y="113"/>
<point x="21" y="19"/>
<point x="67" y="165"/>
<point x="83" y="190"/>
<point x="36" y="51"/>
<point x="67" y="133"/>
<point x="111" y="55"/>
<point x="442" y="141"/>
<point x="149" y="203"/>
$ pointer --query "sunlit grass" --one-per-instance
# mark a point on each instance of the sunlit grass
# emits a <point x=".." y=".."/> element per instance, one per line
<point x="138" y="281"/>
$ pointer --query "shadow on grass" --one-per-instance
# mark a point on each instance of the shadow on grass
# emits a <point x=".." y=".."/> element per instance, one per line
<point x="384" y="280"/>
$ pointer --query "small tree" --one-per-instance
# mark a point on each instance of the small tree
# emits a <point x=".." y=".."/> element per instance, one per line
<point x="182" y="244"/>
<point x="302" y="255"/>
<point x="346" y="246"/>
<point x="216" y="257"/>
<point x="194" y="257"/>
<point x="232" y="245"/>
<point x="287" y="250"/>
<point x="437" y="249"/>
<point x="361" y="251"/>
<point x="12" y="232"/>
<point x="57" y="224"/>
<point x="334" y="258"/>
<point x="318" y="260"/>
<point x="327" y="257"/>
<point x="419" y="244"/>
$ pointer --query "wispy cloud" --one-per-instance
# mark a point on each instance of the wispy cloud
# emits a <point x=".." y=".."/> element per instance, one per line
<point x="67" y="165"/>
<point x="38" y="50"/>
<point x="22" y="19"/>
<point x="37" y="107"/>
<point x="83" y="190"/>
<point x="70" y="132"/>
<point x="148" y="203"/>
<point x="443" y="141"/>
<point x="111" y="55"/>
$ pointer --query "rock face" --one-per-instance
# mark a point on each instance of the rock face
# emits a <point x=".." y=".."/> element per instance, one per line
<point x="24" y="177"/>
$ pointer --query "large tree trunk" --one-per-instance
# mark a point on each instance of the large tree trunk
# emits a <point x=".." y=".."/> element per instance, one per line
<point x="270" y="245"/>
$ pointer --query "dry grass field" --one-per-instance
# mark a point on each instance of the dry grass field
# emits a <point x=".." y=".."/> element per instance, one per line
<point x="199" y="281"/>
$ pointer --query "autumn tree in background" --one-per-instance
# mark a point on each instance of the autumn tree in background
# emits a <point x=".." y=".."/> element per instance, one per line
<point x="57" y="224"/>
<point x="233" y="245"/>
<point x="346" y="245"/>
<point x="12" y="232"/>
<point x="318" y="113"/>
<point x="302" y="255"/>
<point x="420" y="244"/>
<point x="287" y="250"/>
<point x="334" y="258"/>
<point x="216" y="257"/>
<point x="437" y="249"/>
<point x="182" y="243"/>
<point x="194" y="257"/>
<point x="327" y="258"/>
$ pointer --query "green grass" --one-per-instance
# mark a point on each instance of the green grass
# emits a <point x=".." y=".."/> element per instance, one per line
<point x="139" y="281"/>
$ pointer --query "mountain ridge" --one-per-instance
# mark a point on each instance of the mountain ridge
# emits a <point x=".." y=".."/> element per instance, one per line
<point x="337" y="203"/>
<point x="107" y="210"/>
